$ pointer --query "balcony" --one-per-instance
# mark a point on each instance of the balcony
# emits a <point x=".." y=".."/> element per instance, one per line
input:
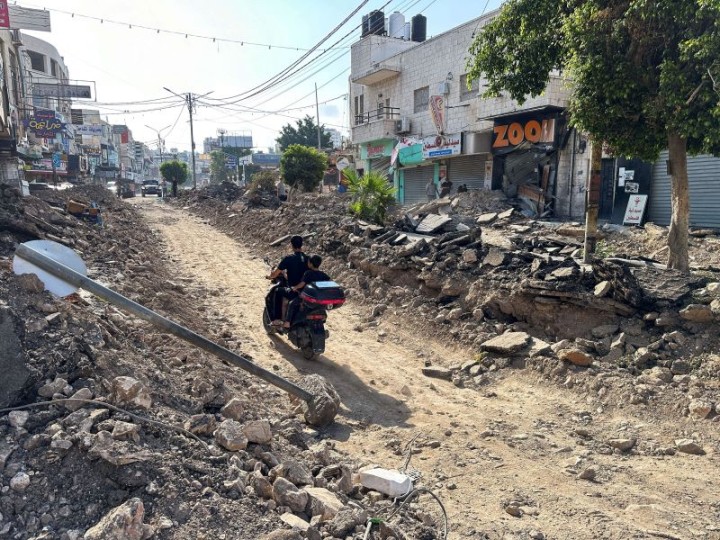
<point x="377" y="73"/>
<point x="375" y="125"/>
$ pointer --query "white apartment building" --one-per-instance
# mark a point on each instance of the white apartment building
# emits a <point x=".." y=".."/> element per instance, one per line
<point x="414" y="118"/>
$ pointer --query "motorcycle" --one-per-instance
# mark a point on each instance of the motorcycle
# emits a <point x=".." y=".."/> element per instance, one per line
<point x="307" y="328"/>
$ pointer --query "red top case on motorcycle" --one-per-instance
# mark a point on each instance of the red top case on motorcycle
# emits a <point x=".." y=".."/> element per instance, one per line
<point x="323" y="293"/>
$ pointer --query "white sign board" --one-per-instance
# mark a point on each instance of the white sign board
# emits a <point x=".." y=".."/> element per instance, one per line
<point x="343" y="163"/>
<point x="635" y="210"/>
<point x="29" y="19"/>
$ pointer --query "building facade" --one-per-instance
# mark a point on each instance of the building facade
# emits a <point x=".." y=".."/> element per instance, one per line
<point x="416" y="120"/>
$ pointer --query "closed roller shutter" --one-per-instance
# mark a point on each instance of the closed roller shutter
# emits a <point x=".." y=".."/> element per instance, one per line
<point x="415" y="180"/>
<point x="380" y="165"/>
<point x="704" y="180"/>
<point x="469" y="170"/>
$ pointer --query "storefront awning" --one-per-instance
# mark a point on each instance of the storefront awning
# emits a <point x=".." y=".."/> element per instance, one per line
<point x="520" y="112"/>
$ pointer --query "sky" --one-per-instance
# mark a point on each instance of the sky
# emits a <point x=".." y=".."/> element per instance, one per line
<point x="128" y="64"/>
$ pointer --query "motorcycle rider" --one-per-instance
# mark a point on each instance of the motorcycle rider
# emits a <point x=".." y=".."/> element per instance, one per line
<point x="312" y="275"/>
<point x="294" y="267"/>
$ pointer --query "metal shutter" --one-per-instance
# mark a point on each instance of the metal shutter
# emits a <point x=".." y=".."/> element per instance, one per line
<point x="704" y="179"/>
<point x="380" y="165"/>
<point x="468" y="170"/>
<point x="415" y="180"/>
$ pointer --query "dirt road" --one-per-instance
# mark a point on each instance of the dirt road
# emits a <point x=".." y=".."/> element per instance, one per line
<point x="521" y="443"/>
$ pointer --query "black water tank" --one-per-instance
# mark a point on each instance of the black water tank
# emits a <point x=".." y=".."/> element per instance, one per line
<point x="377" y="22"/>
<point x="419" y="28"/>
<point x="365" y="26"/>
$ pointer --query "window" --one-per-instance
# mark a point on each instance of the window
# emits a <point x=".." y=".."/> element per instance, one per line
<point x="37" y="61"/>
<point x="54" y="71"/>
<point x="466" y="93"/>
<point x="359" y="109"/>
<point x="422" y="99"/>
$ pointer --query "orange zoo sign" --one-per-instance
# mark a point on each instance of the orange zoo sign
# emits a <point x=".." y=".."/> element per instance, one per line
<point x="532" y="131"/>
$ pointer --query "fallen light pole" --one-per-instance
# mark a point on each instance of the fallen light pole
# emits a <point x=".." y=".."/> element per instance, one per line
<point x="320" y="410"/>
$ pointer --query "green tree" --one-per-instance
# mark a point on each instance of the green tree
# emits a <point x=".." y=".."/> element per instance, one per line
<point x="644" y="77"/>
<point x="303" y="167"/>
<point x="305" y="134"/>
<point x="218" y="168"/>
<point x="371" y="195"/>
<point x="263" y="181"/>
<point x="176" y="172"/>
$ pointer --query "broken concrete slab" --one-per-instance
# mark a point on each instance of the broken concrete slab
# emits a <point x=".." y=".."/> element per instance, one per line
<point x="432" y="223"/>
<point x="16" y="376"/>
<point x="437" y="373"/>
<point x="495" y="257"/>
<point x="576" y="357"/>
<point x="486" y="219"/>
<point x="698" y="313"/>
<point x="508" y="343"/>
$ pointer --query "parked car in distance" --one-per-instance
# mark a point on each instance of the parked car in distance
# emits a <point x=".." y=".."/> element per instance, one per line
<point x="151" y="187"/>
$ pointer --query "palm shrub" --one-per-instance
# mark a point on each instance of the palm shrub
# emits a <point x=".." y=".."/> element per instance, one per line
<point x="371" y="195"/>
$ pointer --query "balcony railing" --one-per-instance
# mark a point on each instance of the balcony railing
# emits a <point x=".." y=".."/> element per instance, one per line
<point x="381" y="113"/>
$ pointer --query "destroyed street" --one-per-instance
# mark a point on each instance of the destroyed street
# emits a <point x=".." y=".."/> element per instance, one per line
<point x="533" y="395"/>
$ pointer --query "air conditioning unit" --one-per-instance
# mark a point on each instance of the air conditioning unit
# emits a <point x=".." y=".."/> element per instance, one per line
<point x="402" y="125"/>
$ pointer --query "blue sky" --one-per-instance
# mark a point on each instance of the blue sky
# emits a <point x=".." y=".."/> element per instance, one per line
<point x="132" y="64"/>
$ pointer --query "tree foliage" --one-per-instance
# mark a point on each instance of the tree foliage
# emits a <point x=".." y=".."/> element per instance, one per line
<point x="304" y="133"/>
<point x="303" y="167"/>
<point x="641" y="75"/>
<point x="175" y="172"/>
<point x="371" y="195"/>
<point x="263" y="181"/>
<point x="218" y="168"/>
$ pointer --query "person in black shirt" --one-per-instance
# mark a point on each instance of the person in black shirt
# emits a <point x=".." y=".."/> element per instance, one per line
<point x="312" y="275"/>
<point x="293" y="266"/>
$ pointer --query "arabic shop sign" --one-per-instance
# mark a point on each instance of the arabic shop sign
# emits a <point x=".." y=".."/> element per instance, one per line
<point x="43" y="126"/>
<point x="376" y="149"/>
<point x="441" y="146"/>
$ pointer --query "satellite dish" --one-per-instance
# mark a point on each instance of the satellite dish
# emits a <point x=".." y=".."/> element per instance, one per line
<point x="58" y="253"/>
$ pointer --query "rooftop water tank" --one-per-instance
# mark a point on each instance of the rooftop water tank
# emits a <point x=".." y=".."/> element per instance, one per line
<point x="377" y="22"/>
<point x="408" y="32"/>
<point x="365" y="26"/>
<point x="419" y="28"/>
<point x="397" y="25"/>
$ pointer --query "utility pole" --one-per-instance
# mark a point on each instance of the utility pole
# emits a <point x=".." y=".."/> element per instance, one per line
<point x="189" y="99"/>
<point x="160" y="143"/>
<point x="592" y="201"/>
<point x="317" y="113"/>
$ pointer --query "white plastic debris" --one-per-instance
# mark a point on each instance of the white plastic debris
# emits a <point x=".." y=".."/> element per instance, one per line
<point x="391" y="483"/>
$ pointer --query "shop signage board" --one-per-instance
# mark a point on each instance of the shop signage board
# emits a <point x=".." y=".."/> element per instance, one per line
<point x="61" y="90"/>
<point x="507" y="135"/>
<point x="46" y="128"/>
<point x="4" y="14"/>
<point x="93" y="130"/>
<point x="22" y="18"/>
<point x="376" y="149"/>
<point x="442" y="146"/>
<point x="635" y="210"/>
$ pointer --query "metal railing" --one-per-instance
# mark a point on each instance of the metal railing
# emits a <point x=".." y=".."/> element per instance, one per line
<point x="381" y="113"/>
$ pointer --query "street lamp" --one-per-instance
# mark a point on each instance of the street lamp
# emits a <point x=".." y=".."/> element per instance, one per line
<point x="160" y="141"/>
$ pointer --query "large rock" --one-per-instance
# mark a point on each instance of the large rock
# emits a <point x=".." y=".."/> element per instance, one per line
<point x="508" y="343"/>
<point x="700" y="408"/>
<point x="201" y="424"/>
<point x="258" y="432"/>
<point x="230" y="436"/>
<point x="576" y="357"/>
<point x="689" y="446"/>
<point x="323" y="503"/>
<point x="233" y="409"/>
<point x="345" y="521"/>
<point x="437" y="372"/>
<point x="294" y="521"/>
<point x="295" y="472"/>
<point x="698" y="313"/>
<point x="127" y="390"/>
<point x="324" y="406"/>
<point x="16" y="377"/>
<point x="287" y="494"/>
<point x="622" y="444"/>
<point x="122" y="523"/>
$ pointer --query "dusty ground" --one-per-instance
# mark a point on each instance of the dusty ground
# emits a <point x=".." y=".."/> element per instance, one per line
<point x="521" y="439"/>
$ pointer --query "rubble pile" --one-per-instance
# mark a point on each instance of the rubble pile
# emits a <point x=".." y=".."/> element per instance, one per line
<point x="111" y="429"/>
<point x="228" y="192"/>
<point x="479" y="268"/>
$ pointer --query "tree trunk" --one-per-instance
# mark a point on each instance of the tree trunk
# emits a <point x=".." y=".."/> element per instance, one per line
<point x="679" y="222"/>
<point x="592" y="201"/>
<point x="174" y="189"/>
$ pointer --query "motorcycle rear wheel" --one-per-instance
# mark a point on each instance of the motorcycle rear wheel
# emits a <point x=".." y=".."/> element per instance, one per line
<point x="308" y="353"/>
<point x="267" y="323"/>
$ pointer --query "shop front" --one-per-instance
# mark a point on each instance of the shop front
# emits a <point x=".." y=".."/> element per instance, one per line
<point x="376" y="156"/>
<point x="525" y="151"/>
<point x="420" y="160"/>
